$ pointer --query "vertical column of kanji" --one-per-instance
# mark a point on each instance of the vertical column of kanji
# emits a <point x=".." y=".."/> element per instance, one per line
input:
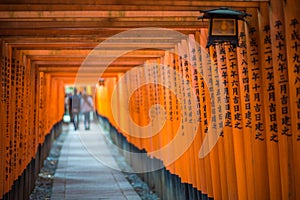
<point x="184" y="112"/>
<point x="200" y="52"/>
<point x="292" y="29"/>
<point x="51" y="102"/>
<point x="179" y="162"/>
<point x="143" y="116"/>
<point x="269" y="102"/>
<point x="144" y="120"/>
<point x="281" y="96"/>
<point x="14" y="115"/>
<point x="131" y="139"/>
<point x="48" y="114"/>
<point x="157" y="88"/>
<point x="152" y="100"/>
<point x="164" y="79"/>
<point x="227" y="135"/>
<point x="245" y="108"/>
<point x="138" y="106"/>
<point x="236" y="119"/>
<point x="256" y="97"/>
<point x="36" y="103"/>
<point x="193" y="46"/>
<point x="116" y="102"/>
<point x="60" y="103"/>
<point x="144" y="110"/>
<point x="109" y="103"/>
<point x="172" y="116"/>
<point x="183" y="65"/>
<point x="24" y="134"/>
<point x="128" y="86"/>
<point x="110" y="86"/>
<point x="2" y="115"/>
<point x="26" y="113"/>
<point x="41" y="107"/>
<point x="206" y="109"/>
<point x="217" y="119"/>
<point x="54" y="105"/>
<point x="163" y="116"/>
<point x="161" y="101"/>
<point x="133" y="105"/>
<point x="189" y="115"/>
<point x="140" y="116"/>
<point x="7" y="90"/>
<point x="126" y="91"/>
<point x="19" y="129"/>
<point x="194" y="102"/>
<point x="31" y="112"/>
<point x="217" y="125"/>
<point x="210" y="121"/>
<point x="45" y="114"/>
<point x="45" y="111"/>
<point x="176" y="111"/>
<point x="210" y="71"/>
<point x="6" y="85"/>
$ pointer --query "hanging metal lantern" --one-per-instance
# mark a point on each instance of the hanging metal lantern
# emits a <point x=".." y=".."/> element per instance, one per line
<point x="101" y="81"/>
<point x="223" y="25"/>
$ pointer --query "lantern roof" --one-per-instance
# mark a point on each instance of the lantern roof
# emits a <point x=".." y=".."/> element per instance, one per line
<point x="223" y="12"/>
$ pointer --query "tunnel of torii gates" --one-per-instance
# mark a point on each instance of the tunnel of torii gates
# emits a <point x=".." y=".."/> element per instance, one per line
<point x="248" y="95"/>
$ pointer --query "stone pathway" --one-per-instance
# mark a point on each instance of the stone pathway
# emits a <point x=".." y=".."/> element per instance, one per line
<point x="87" y="170"/>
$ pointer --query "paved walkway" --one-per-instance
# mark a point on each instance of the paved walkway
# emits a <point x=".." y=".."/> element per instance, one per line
<point x="86" y="169"/>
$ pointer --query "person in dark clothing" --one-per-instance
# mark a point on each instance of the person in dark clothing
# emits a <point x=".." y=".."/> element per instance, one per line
<point x="74" y="108"/>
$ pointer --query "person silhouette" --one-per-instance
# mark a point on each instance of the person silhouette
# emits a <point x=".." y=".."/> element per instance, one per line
<point x="87" y="106"/>
<point x="74" y="108"/>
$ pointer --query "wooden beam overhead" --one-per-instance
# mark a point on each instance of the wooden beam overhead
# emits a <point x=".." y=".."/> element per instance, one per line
<point x="40" y="15"/>
<point x="86" y="70"/>
<point x="93" y="32"/>
<point x="132" y="62"/>
<point x="130" y="5"/>
<point x="57" y="36"/>
<point x="19" y="25"/>
<point x="84" y="53"/>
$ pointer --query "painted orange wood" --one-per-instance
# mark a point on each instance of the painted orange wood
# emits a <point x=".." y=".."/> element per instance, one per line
<point x="292" y="28"/>
<point x="257" y="153"/>
<point x="242" y="60"/>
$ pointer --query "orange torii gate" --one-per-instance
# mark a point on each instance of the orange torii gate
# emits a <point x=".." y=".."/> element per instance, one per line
<point x="257" y="153"/>
<point x="256" y="156"/>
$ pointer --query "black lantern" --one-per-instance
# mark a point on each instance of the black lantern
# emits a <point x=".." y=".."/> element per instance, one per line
<point x="223" y="25"/>
<point x="101" y="81"/>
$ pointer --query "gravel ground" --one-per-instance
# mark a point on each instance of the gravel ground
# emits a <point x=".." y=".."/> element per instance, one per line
<point x="139" y="186"/>
<point x="44" y="182"/>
